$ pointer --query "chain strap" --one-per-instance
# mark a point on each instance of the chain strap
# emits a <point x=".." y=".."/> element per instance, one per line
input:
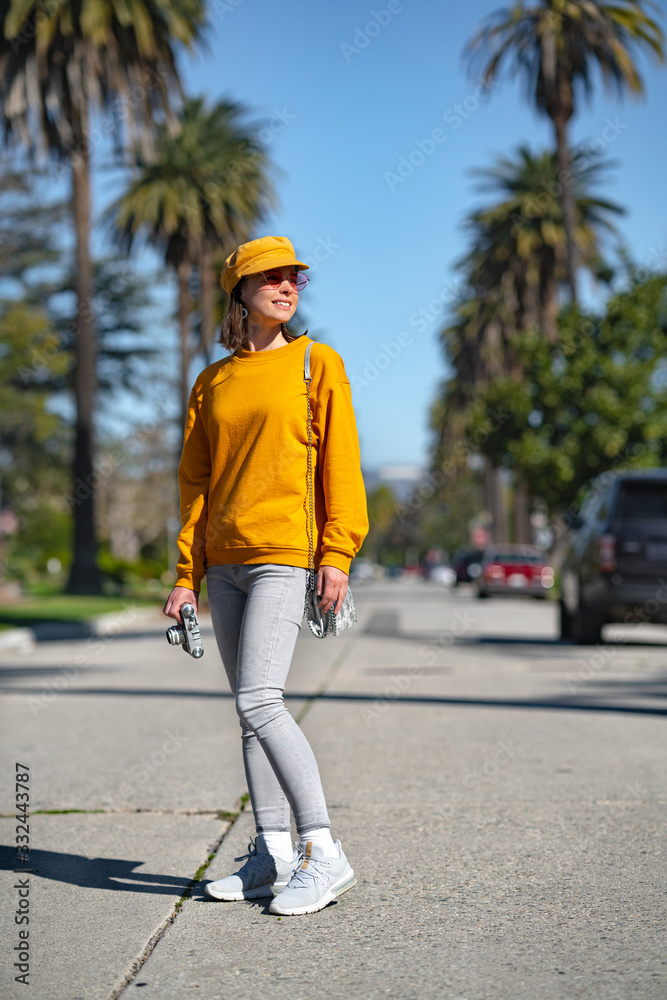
<point x="311" y="561"/>
<point x="332" y="624"/>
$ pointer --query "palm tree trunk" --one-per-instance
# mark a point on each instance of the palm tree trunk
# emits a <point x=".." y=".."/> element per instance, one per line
<point x="84" y="575"/>
<point x="567" y="202"/>
<point x="522" y="525"/>
<point x="493" y="501"/>
<point x="184" y="310"/>
<point x="550" y="310"/>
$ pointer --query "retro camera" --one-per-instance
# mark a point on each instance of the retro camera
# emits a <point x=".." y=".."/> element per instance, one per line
<point x="188" y="634"/>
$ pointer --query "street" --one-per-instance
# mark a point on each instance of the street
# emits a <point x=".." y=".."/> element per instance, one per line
<point x="501" y="796"/>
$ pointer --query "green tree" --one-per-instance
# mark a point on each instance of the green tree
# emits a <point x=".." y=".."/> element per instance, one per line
<point x="554" y="45"/>
<point x="597" y="399"/>
<point x="34" y="440"/>
<point x="201" y="194"/>
<point x="381" y="515"/>
<point x="35" y="256"/>
<point x="58" y="64"/>
<point x="120" y="302"/>
<point x="512" y="272"/>
<point x="39" y="265"/>
<point x="446" y="517"/>
<point x="138" y="496"/>
<point x="28" y="226"/>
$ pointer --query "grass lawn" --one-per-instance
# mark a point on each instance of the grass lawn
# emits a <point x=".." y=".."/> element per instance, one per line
<point x="34" y="610"/>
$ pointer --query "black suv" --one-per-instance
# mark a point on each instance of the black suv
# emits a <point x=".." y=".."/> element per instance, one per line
<point x="615" y="563"/>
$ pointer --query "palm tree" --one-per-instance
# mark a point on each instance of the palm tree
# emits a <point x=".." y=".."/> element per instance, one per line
<point x="555" y="44"/>
<point x="200" y="195"/>
<point x="512" y="271"/>
<point x="473" y="346"/>
<point x="516" y="258"/>
<point x="58" y="64"/>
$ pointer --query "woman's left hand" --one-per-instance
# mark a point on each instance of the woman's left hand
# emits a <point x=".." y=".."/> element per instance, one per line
<point x="332" y="585"/>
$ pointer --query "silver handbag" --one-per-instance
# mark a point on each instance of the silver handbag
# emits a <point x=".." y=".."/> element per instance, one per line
<point x="329" y="624"/>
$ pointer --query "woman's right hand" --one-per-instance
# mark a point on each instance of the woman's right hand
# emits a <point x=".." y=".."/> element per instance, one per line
<point x="178" y="597"/>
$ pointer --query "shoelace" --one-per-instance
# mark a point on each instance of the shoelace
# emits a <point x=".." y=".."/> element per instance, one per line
<point x="253" y="855"/>
<point x="315" y="870"/>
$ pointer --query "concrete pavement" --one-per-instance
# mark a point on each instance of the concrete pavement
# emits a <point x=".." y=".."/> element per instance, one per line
<point x="501" y="796"/>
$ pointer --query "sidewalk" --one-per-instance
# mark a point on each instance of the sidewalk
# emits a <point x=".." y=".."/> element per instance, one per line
<point x="22" y="640"/>
<point x="504" y="824"/>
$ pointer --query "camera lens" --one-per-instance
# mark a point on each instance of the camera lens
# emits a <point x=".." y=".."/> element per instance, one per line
<point x="175" y="635"/>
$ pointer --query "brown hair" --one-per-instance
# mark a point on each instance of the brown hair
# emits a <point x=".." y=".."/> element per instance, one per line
<point x="233" y="331"/>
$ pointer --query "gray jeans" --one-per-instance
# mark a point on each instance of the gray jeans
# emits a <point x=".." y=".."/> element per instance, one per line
<point x="257" y="610"/>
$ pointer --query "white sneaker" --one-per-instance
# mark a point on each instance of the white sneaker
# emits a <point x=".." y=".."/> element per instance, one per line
<point x="261" y="875"/>
<point x="316" y="881"/>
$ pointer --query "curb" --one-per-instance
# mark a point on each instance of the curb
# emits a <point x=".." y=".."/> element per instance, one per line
<point x="112" y="622"/>
<point x="20" y="639"/>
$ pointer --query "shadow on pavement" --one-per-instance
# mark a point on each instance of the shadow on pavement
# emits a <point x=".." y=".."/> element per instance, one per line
<point x="574" y="703"/>
<point x="93" y="873"/>
<point x="39" y="671"/>
<point x="386" y="624"/>
<point x="107" y="873"/>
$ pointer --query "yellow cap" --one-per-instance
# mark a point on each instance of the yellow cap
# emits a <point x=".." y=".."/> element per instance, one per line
<point x="258" y="255"/>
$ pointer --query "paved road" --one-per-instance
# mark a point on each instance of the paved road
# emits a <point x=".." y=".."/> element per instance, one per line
<point x="501" y="795"/>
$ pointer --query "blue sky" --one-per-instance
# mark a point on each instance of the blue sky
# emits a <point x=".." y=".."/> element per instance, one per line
<point x="350" y="88"/>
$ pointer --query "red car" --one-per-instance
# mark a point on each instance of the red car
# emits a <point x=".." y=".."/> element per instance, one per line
<point x="514" y="569"/>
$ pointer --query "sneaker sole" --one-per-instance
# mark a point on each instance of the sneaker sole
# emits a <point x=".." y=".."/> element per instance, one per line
<point x="346" y="883"/>
<point x="259" y="892"/>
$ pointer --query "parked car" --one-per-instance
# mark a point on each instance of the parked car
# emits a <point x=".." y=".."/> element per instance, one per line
<point x="443" y="574"/>
<point x="614" y="567"/>
<point x="514" y="569"/>
<point x="363" y="570"/>
<point x="467" y="563"/>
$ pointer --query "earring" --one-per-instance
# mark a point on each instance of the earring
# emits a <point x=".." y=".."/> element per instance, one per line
<point x="244" y="311"/>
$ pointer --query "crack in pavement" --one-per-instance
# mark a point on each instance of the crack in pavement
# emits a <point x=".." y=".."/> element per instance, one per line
<point x="136" y="965"/>
<point x="156" y="937"/>
<point x="223" y="814"/>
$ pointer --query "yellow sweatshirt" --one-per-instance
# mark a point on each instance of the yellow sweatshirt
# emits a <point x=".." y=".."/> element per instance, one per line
<point x="243" y="471"/>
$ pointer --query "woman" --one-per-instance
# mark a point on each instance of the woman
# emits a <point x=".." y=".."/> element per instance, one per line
<point x="244" y="515"/>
